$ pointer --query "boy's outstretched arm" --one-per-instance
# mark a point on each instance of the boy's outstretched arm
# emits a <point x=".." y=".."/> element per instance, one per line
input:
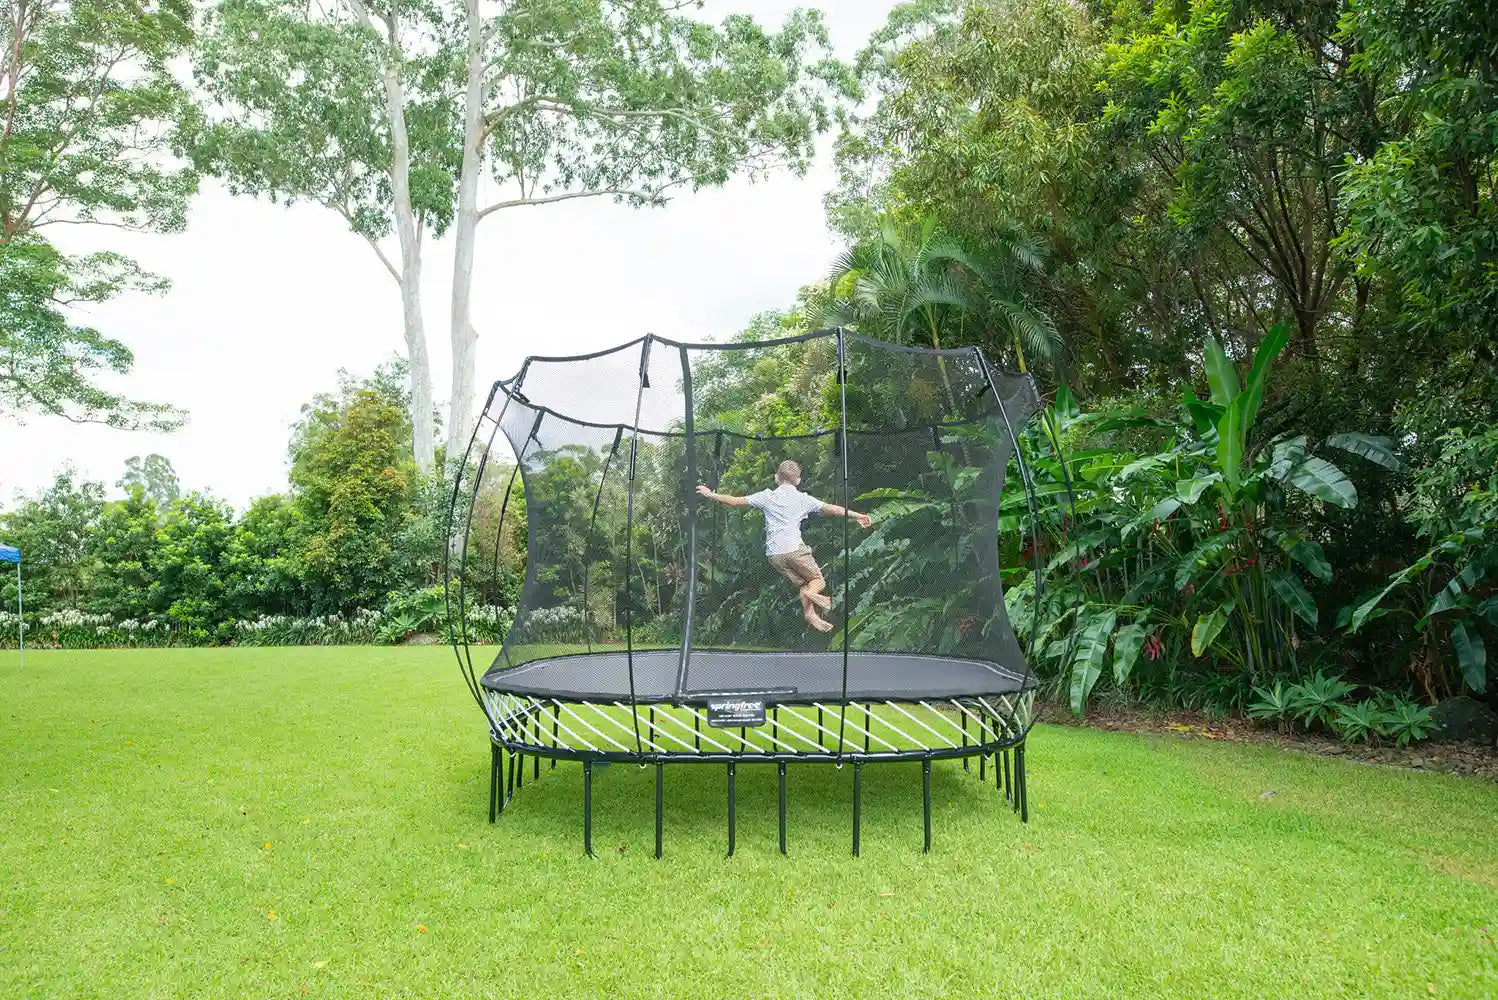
<point x="833" y="510"/>
<point x="724" y="498"/>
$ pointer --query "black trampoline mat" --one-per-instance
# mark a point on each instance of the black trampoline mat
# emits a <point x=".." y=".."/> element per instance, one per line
<point x="781" y="678"/>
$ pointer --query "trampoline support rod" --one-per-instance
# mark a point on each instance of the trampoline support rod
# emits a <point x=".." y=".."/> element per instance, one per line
<point x="1023" y="793"/>
<point x="588" y="808"/>
<point x="660" y="778"/>
<point x="857" y="804"/>
<point x="493" y="782"/>
<point x="964" y="743"/>
<point x="1008" y="785"/>
<point x="782" y="807"/>
<point x="926" y="800"/>
<point x="983" y="767"/>
<point x="510" y="781"/>
<point x="730" y="808"/>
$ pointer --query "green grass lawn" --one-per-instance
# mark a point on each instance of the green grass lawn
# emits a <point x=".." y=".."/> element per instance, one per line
<point x="279" y="823"/>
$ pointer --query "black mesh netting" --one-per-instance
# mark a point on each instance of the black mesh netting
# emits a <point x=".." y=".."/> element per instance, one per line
<point x="636" y="587"/>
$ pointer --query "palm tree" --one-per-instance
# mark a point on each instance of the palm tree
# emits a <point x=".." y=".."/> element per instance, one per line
<point x="917" y="286"/>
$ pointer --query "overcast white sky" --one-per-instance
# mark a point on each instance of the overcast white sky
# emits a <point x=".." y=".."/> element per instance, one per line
<point x="268" y="303"/>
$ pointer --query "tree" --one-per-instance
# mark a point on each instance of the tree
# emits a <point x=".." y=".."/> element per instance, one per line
<point x="353" y="480"/>
<point x="985" y="120"/>
<point x="154" y="475"/>
<point x="921" y="285"/>
<point x="262" y="565"/>
<point x="1246" y="113"/>
<point x="624" y="99"/>
<point x="51" y="529"/>
<point x="90" y="106"/>
<point x="190" y="579"/>
<point x="125" y="548"/>
<point x="1421" y="209"/>
<point x="344" y="107"/>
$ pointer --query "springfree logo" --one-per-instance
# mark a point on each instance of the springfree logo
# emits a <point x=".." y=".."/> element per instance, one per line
<point x="723" y="713"/>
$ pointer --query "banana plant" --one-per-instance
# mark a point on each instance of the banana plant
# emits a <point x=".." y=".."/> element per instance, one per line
<point x="1187" y="552"/>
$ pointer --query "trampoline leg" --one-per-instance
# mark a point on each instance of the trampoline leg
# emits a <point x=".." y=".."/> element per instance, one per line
<point x="1011" y="778"/>
<point x="519" y="770"/>
<point x="588" y="808"/>
<point x="493" y="782"/>
<point x="1023" y="793"/>
<point x="819" y="728"/>
<point x="535" y="758"/>
<point x="696" y="728"/>
<point x="1008" y="785"/>
<point x="510" y="779"/>
<point x="782" y="806"/>
<point x="730" y="809"/>
<point x="556" y="714"/>
<point x="660" y="775"/>
<point x="983" y="767"/>
<point x="964" y="744"/>
<point x="868" y="726"/>
<point x="926" y="799"/>
<point x="857" y="804"/>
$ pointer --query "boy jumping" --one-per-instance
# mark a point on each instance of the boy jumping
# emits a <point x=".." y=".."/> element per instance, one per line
<point x="785" y="508"/>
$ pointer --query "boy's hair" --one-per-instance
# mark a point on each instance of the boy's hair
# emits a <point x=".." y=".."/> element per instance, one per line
<point x="788" y="472"/>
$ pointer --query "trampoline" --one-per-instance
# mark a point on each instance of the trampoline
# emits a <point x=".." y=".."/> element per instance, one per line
<point x="655" y="493"/>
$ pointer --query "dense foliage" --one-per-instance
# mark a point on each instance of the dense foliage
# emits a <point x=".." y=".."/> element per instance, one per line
<point x="1199" y="191"/>
<point x="352" y="553"/>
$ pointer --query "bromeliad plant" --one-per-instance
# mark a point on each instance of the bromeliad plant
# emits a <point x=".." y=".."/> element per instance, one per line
<point x="1186" y="555"/>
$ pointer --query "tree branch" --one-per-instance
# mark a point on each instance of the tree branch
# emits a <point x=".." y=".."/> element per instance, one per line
<point x="569" y="196"/>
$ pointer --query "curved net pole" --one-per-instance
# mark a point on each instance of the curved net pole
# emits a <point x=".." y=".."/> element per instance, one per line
<point x="588" y="538"/>
<point x="499" y="532"/>
<point x="691" y="486"/>
<point x="465" y="660"/>
<point x="629" y="531"/>
<point x="842" y="430"/>
<point x="1030" y="502"/>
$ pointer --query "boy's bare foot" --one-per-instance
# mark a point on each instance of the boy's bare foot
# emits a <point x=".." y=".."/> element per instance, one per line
<point x="820" y="600"/>
<point x="819" y="623"/>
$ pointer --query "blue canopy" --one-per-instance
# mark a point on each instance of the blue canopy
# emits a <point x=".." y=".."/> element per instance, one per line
<point x="10" y="554"/>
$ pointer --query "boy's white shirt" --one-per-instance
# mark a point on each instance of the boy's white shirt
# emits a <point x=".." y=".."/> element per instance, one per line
<point x="785" y="508"/>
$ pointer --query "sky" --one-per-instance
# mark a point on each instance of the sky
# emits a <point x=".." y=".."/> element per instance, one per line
<point x="269" y="302"/>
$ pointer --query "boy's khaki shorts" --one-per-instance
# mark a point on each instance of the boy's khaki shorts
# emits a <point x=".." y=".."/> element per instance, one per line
<point x="800" y="567"/>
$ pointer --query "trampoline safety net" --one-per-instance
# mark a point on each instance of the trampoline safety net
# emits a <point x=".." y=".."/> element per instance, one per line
<point x="639" y="589"/>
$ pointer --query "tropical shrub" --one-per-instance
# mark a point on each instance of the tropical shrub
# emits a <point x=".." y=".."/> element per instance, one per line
<point x="1450" y="593"/>
<point x="1178" y="536"/>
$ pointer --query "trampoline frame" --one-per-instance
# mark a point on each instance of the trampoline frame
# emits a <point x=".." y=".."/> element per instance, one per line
<point x="518" y="721"/>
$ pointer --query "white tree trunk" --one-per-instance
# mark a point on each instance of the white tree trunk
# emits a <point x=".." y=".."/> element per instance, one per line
<point x="465" y="228"/>
<point x="409" y="235"/>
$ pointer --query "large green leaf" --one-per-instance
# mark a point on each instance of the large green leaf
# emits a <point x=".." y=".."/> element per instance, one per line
<point x="1203" y="415"/>
<point x="1159" y="512"/>
<point x="1378" y="450"/>
<point x="1191" y="490"/>
<point x="1127" y="642"/>
<point x="1207" y="555"/>
<point x="1269" y="348"/>
<point x="1324" y="481"/>
<point x="1221" y="375"/>
<point x="1370" y="608"/>
<point x="1232" y="439"/>
<point x="1286" y="454"/>
<point x="1472" y="655"/>
<point x="1144" y="464"/>
<point x="1208" y="627"/>
<point x="1087" y="663"/>
<point x="1290" y="590"/>
<point x="1304" y="551"/>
